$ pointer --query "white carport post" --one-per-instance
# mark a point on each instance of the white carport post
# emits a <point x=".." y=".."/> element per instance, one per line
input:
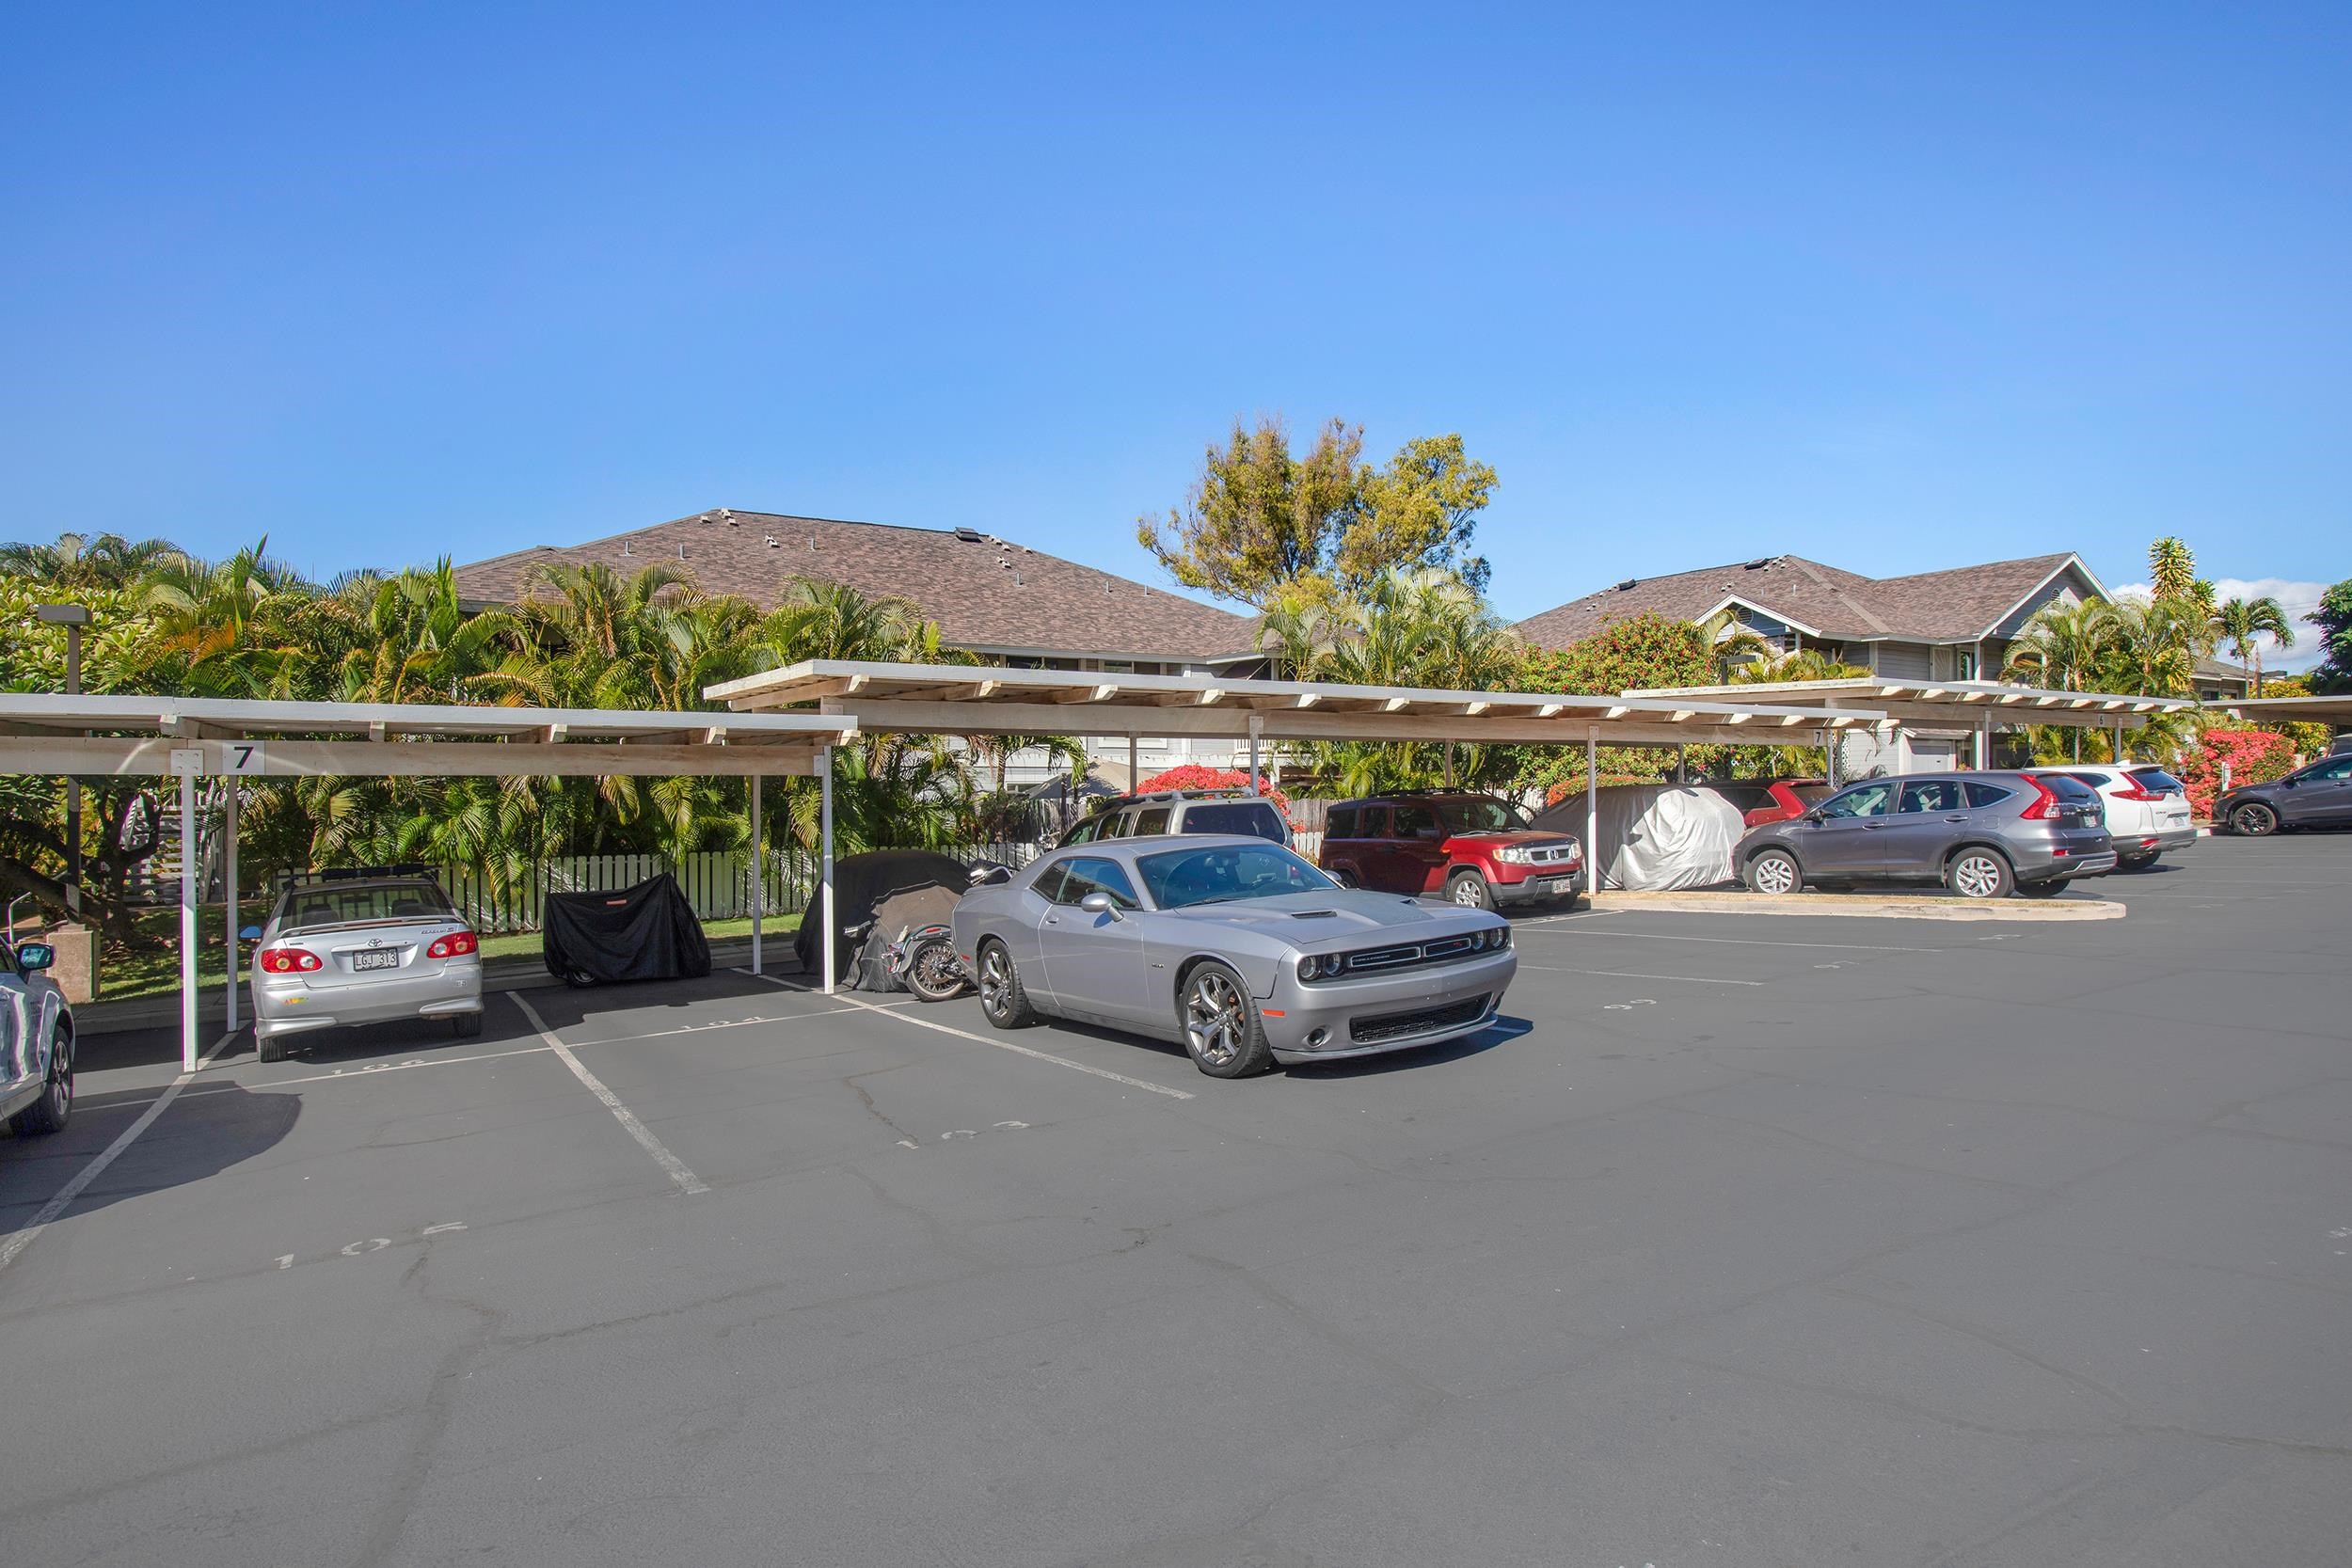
<point x="187" y="917"/>
<point x="1256" y="724"/>
<point x="1592" y="809"/>
<point x="228" y="902"/>
<point x="825" y="860"/>
<point x="1133" y="778"/>
<point x="2119" y="741"/>
<point x="760" y="874"/>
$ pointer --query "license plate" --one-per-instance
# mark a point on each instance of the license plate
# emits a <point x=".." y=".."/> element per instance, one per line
<point x="1556" y="884"/>
<point x="386" y="958"/>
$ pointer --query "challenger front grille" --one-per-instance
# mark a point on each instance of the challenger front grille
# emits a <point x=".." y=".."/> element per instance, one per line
<point x="1398" y="1026"/>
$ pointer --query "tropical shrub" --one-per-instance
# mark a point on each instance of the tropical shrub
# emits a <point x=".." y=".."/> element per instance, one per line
<point x="1192" y="775"/>
<point x="2252" y="756"/>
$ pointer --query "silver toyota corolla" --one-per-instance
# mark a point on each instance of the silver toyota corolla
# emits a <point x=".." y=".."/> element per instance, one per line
<point x="363" y="950"/>
<point x="1235" y="948"/>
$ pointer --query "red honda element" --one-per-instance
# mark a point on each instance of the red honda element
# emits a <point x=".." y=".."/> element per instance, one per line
<point x="1473" y="850"/>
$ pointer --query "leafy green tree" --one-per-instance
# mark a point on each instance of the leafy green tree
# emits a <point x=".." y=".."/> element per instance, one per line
<point x="2334" y="620"/>
<point x="1639" y="652"/>
<point x="2243" y="623"/>
<point x="2172" y="571"/>
<point x="1262" y="517"/>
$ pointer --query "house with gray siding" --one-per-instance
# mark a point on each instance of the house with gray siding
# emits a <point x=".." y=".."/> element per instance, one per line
<point x="1950" y="624"/>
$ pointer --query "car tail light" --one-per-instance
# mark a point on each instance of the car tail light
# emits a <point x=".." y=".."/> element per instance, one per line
<point x="455" y="945"/>
<point x="287" y="961"/>
<point x="2133" y="792"/>
<point x="2046" y="807"/>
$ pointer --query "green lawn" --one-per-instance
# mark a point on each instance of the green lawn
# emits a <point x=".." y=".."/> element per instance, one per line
<point x="149" y="966"/>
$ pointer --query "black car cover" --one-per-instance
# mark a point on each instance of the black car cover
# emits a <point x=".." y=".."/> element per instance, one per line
<point x="860" y="882"/>
<point x="647" y="932"/>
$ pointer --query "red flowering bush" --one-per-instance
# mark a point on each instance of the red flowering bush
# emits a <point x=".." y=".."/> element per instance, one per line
<point x="2253" y="756"/>
<point x="1192" y="775"/>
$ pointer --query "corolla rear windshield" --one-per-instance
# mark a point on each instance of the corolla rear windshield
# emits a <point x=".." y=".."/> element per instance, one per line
<point x="1222" y="873"/>
<point x="353" y="902"/>
<point x="1480" y="814"/>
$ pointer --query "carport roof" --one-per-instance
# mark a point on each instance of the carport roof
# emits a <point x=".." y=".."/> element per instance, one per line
<point x="2334" y="708"/>
<point x="42" y="733"/>
<point x="1966" y="703"/>
<point x="977" y="699"/>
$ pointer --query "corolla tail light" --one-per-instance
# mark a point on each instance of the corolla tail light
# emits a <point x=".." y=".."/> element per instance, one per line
<point x="287" y="961"/>
<point x="457" y="944"/>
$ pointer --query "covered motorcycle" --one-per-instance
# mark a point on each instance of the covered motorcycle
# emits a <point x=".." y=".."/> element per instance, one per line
<point x="861" y="885"/>
<point x="646" y="932"/>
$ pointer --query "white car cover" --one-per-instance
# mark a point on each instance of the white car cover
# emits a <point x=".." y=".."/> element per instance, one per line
<point x="1656" y="838"/>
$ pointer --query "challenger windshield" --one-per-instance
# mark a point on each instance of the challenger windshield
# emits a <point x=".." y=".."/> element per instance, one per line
<point x="1222" y="873"/>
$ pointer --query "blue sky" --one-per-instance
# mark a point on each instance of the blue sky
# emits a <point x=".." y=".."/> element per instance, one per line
<point x="1897" y="286"/>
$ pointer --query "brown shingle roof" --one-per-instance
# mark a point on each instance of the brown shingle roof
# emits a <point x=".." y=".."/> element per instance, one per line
<point x="1961" y="603"/>
<point x="985" y="594"/>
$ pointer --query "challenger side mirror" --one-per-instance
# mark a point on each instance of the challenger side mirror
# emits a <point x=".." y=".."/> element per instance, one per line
<point x="1097" y="902"/>
<point x="35" y="955"/>
<point x="989" y="873"/>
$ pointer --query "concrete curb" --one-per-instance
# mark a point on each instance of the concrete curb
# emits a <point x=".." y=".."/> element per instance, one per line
<point x="2058" y="910"/>
<point x="163" y="1012"/>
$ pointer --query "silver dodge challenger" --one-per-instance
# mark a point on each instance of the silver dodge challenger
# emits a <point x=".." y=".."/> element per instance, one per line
<point x="1235" y="947"/>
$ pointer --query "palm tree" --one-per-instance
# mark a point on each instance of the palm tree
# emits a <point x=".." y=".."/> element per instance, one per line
<point x="89" y="559"/>
<point x="2149" y="651"/>
<point x="1731" y="645"/>
<point x="832" y="620"/>
<point x="2064" y="646"/>
<point x="2243" y="623"/>
<point x="1295" y="628"/>
<point x="1798" y="664"/>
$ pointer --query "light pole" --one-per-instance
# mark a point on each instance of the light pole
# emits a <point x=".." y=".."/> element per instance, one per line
<point x="73" y="617"/>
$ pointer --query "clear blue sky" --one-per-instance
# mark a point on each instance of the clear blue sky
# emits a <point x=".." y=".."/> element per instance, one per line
<point x="1898" y="286"/>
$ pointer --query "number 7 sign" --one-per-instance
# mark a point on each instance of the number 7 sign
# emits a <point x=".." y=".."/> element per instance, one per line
<point x="241" y="756"/>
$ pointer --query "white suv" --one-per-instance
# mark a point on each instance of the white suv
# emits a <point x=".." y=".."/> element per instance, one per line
<point x="2147" y="808"/>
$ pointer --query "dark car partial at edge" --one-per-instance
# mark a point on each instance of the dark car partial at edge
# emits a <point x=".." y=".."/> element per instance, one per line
<point x="1981" y="834"/>
<point x="2318" y="796"/>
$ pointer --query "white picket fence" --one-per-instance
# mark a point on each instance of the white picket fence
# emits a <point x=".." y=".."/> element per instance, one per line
<point x="717" y="883"/>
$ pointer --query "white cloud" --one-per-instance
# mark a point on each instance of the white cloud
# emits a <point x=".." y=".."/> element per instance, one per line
<point x="2297" y="599"/>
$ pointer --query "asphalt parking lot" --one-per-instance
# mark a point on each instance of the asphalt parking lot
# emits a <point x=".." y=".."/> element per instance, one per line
<point x="1743" y="1241"/>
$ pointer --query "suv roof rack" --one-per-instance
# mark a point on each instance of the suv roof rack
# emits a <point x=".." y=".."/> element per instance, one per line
<point x="1223" y="792"/>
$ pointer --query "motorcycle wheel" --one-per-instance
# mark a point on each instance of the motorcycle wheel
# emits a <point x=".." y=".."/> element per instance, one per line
<point x="934" y="973"/>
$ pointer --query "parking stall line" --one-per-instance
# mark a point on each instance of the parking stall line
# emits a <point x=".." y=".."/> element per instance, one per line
<point x="1034" y="1055"/>
<point x="13" y="1245"/>
<point x="1758" y="941"/>
<point x="688" y="1181"/>
<point x="1627" y="974"/>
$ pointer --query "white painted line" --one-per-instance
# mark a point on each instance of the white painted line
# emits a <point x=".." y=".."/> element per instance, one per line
<point x="354" y="1075"/>
<point x="688" y="1181"/>
<point x="1003" y="1045"/>
<point x="1754" y="942"/>
<point x="1556" y="919"/>
<point x="17" y="1240"/>
<point x="1627" y="974"/>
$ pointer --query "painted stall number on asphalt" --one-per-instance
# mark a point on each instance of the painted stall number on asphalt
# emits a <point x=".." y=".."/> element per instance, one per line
<point x="969" y="1132"/>
<point x="1629" y="1006"/>
<point x="371" y="1244"/>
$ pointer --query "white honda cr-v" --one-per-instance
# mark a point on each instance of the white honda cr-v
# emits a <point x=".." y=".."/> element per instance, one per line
<point x="2147" y="808"/>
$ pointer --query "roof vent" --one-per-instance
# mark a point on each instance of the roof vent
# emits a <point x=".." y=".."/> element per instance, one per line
<point x="681" y="552"/>
<point x="1628" y="584"/>
<point x="1761" y="560"/>
<point x="625" y="549"/>
<point x="969" y="535"/>
<point x="812" y="544"/>
<point x="773" y="542"/>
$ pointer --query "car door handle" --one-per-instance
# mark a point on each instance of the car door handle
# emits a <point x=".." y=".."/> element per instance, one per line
<point x="1052" y="920"/>
<point x="1955" y="819"/>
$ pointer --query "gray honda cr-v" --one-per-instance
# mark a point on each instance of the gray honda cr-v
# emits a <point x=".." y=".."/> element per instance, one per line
<point x="1984" y="836"/>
